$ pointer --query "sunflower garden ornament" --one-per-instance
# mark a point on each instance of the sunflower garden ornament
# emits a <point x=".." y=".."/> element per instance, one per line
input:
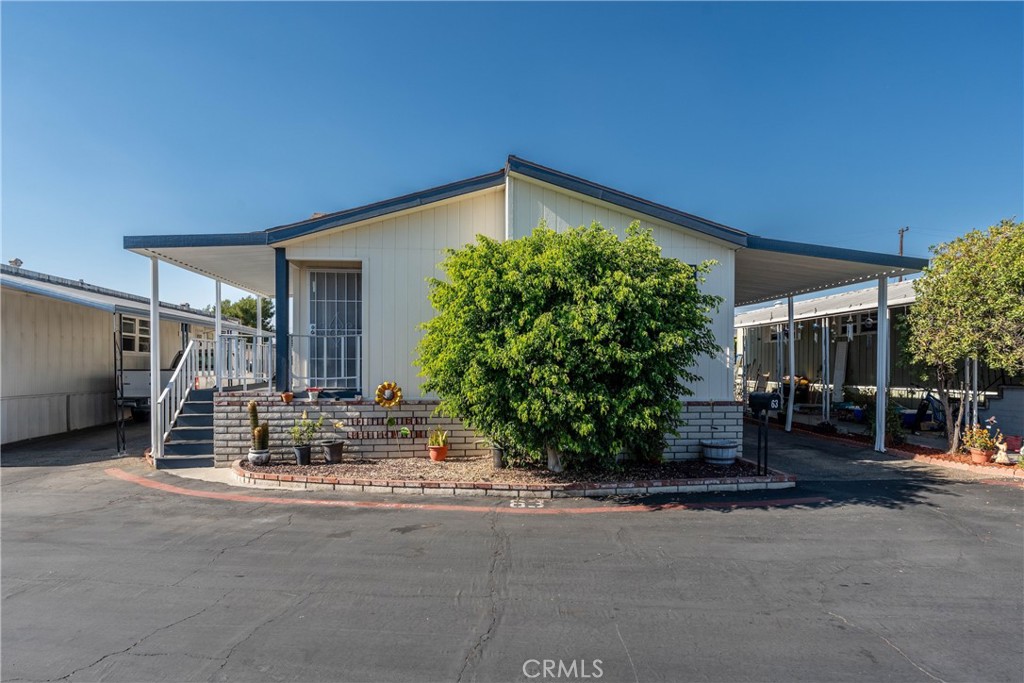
<point x="389" y="395"/>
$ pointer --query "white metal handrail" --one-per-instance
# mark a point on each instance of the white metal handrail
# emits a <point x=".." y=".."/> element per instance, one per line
<point x="246" y="360"/>
<point x="174" y="395"/>
<point x="327" y="361"/>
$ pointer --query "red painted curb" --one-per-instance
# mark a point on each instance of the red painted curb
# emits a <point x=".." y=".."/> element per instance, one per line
<point x="118" y="473"/>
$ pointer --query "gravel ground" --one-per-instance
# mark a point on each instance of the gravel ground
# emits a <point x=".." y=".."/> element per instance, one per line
<point x="480" y="469"/>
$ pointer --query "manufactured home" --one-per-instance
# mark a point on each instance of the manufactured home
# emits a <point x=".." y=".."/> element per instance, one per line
<point x="350" y="291"/>
<point x="71" y="352"/>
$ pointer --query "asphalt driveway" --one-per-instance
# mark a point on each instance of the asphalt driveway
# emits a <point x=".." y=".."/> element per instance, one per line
<point x="898" y="572"/>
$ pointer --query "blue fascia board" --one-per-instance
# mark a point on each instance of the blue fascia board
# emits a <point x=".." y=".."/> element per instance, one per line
<point x="409" y="201"/>
<point x="242" y="239"/>
<point x="820" y="251"/>
<point x="628" y="201"/>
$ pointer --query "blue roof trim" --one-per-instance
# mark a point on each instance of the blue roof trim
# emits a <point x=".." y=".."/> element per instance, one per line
<point x="244" y="239"/>
<point x="819" y="251"/>
<point x="607" y="194"/>
<point x="409" y="201"/>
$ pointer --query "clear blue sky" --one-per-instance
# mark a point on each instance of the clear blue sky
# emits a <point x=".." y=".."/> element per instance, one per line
<point x="830" y="123"/>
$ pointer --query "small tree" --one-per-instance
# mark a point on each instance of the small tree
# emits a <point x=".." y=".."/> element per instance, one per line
<point x="970" y="304"/>
<point x="574" y="344"/>
<point x="245" y="310"/>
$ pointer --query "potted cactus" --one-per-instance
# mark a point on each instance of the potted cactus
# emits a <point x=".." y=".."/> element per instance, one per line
<point x="437" y="442"/>
<point x="259" y="451"/>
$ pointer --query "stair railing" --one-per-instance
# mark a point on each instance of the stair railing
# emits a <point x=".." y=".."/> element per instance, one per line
<point x="175" y="394"/>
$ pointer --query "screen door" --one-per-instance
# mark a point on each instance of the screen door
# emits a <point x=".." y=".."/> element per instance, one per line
<point x="335" y="329"/>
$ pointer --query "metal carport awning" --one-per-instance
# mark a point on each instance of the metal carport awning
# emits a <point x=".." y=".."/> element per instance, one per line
<point x="769" y="269"/>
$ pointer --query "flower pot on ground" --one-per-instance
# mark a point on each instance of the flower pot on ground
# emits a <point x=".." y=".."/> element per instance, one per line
<point x="981" y="443"/>
<point x="334" y="452"/>
<point x="980" y="456"/>
<point x="303" y="454"/>
<point x="303" y="432"/>
<point x="259" y="449"/>
<point x="437" y="442"/>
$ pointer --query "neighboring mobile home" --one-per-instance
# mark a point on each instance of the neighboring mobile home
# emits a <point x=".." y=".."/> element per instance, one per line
<point x="350" y="287"/>
<point x="846" y="323"/>
<point x="62" y="342"/>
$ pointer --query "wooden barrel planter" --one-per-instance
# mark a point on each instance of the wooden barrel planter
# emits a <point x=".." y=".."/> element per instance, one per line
<point x="720" y="451"/>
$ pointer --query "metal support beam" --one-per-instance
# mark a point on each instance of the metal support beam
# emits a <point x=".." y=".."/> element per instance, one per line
<point x="282" y="354"/>
<point x="882" y="364"/>
<point x="218" y="344"/>
<point x="156" y="439"/>
<point x="791" y="346"/>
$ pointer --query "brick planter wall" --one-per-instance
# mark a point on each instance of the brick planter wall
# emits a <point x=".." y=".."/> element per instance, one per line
<point x="365" y="432"/>
<point x="706" y="420"/>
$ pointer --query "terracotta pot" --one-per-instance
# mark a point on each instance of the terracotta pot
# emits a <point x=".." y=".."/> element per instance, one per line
<point x="287" y="396"/>
<point x="980" y="457"/>
<point x="438" y="453"/>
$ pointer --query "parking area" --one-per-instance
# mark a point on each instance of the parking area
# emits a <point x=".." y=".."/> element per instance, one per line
<point x="899" y="571"/>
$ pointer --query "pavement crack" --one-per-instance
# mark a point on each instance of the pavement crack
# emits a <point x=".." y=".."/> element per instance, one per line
<point x="889" y="643"/>
<point x="213" y="560"/>
<point x="499" y="559"/>
<point x="628" y="656"/>
<point x="140" y="640"/>
<point x="257" y="627"/>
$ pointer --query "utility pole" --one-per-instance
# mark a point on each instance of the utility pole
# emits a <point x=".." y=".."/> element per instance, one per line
<point x="901" y="231"/>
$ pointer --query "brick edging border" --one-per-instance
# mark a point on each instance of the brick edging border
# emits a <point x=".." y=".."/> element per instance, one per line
<point x="1011" y="472"/>
<point x="776" y="480"/>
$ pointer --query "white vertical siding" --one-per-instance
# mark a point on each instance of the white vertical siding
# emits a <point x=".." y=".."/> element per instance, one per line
<point x="534" y="201"/>
<point x="397" y="254"/>
<point x="57" y="365"/>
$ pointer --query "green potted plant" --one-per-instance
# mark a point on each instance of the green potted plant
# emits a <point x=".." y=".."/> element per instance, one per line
<point x="437" y="442"/>
<point x="981" y="443"/>
<point x="259" y="450"/>
<point x="303" y="432"/>
<point x="334" y="449"/>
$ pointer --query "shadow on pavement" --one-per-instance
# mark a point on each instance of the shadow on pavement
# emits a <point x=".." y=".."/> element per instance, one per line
<point x="95" y="444"/>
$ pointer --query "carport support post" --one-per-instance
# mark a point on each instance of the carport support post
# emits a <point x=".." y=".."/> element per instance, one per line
<point x="882" y="363"/>
<point x="791" y="346"/>
<point x="218" y="365"/>
<point x="281" y="314"/>
<point x="155" y="415"/>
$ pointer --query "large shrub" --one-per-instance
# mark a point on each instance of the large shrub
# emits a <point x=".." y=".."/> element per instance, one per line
<point x="574" y="344"/>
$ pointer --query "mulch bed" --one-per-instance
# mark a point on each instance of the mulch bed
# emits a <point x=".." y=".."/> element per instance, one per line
<point x="480" y="469"/>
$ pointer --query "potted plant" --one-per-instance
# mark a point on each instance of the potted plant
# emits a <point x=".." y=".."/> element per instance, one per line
<point x="303" y="432"/>
<point x="981" y="443"/>
<point x="287" y="396"/>
<point x="437" y="442"/>
<point x="314" y="393"/>
<point x="259" y="451"/>
<point x="335" y="449"/>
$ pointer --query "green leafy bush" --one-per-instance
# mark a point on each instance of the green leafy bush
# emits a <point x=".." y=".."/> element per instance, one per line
<point x="576" y="343"/>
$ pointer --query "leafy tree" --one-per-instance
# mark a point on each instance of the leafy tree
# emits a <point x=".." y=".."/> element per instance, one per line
<point x="245" y="310"/>
<point x="577" y="345"/>
<point x="970" y="303"/>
